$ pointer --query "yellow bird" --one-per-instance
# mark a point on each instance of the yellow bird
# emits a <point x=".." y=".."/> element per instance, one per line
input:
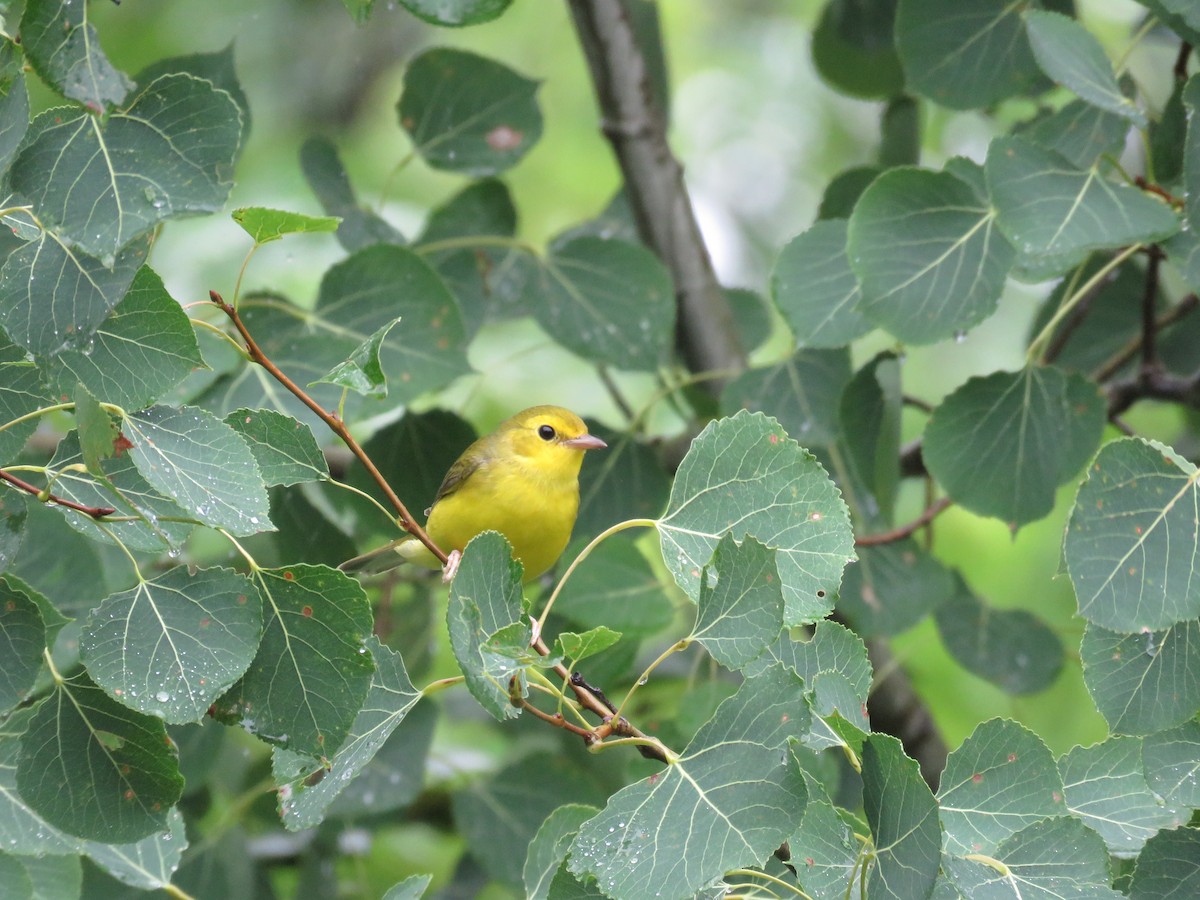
<point x="521" y="480"/>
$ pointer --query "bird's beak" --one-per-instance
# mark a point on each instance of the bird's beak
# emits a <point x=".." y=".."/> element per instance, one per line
<point x="585" y="442"/>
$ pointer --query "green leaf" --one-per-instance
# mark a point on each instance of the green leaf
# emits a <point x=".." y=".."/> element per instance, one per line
<point x="1168" y="866"/>
<point x="169" y="647"/>
<point x="927" y="252"/>
<point x="285" y="450"/>
<point x="1131" y="544"/>
<point x="1012" y="648"/>
<point x="53" y="298"/>
<point x="831" y="648"/>
<point x="454" y="13"/>
<point x="1048" y="208"/>
<point x="196" y="459"/>
<point x="95" y="429"/>
<point x="549" y="846"/>
<point x="265" y="225"/>
<point x="802" y="394"/>
<point x="903" y="817"/>
<point x="485" y="597"/>
<point x="144" y="518"/>
<point x="1191" y="155"/>
<point x="362" y="371"/>
<point x="312" y="671"/>
<point x="964" y="54"/>
<point x="22" y="830"/>
<point x="893" y="587"/>
<point x="379" y="285"/>
<point x="1000" y="445"/>
<point x="63" y="47"/>
<point x="1168" y="138"/>
<point x="751" y="317"/>
<point x="142" y="350"/>
<point x="900" y="143"/>
<point x="615" y="587"/>
<point x="1072" y="57"/>
<point x="1080" y="132"/>
<point x="1106" y="788"/>
<point x="468" y="114"/>
<point x="739" y="611"/>
<point x="14" y="102"/>
<point x="170" y="153"/>
<point x="413" y="887"/>
<point x="1001" y="779"/>
<point x="608" y="301"/>
<point x="1172" y="762"/>
<point x="726" y="802"/>
<point x="305" y="531"/>
<point x="216" y="66"/>
<point x="15" y="879"/>
<point x="490" y="279"/>
<point x="96" y="769"/>
<point x="1143" y="683"/>
<point x="745" y="476"/>
<point x="853" y="50"/>
<point x="580" y="646"/>
<point x="360" y="227"/>
<point x="56" y="561"/>
<point x="824" y="851"/>
<point x="147" y="864"/>
<point x="21" y="392"/>
<point x="54" y="876"/>
<point x="12" y="529"/>
<point x="843" y="192"/>
<point x="1053" y="858"/>
<point x="304" y="800"/>
<point x="626" y="481"/>
<point x="869" y="439"/>
<point x="22" y="641"/>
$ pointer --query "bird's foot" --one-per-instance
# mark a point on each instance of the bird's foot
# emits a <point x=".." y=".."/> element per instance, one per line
<point x="451" y="566"/>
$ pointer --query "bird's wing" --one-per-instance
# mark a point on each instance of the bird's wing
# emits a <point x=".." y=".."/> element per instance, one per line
<point x="464" y="467"/>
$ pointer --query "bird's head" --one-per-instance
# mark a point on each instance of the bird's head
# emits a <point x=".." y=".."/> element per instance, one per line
<point x="550" y="437"/>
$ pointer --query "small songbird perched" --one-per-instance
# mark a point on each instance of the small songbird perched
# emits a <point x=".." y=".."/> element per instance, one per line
<point x="521" y="480"/>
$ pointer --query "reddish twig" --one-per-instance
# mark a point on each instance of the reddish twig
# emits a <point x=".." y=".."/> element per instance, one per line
<point x="96" y="512"/>
<point x="557" y="720"/>
<point x="1156" y="189"/>
<point x="336" y="425"/>
<point x="898" y="534"/>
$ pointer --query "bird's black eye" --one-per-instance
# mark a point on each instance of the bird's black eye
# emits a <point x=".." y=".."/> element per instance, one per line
<point x="546" y="433"/>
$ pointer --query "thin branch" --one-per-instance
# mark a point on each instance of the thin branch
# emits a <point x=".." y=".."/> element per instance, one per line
<point x="634" y="124"/>
<point x="898" y="534"/>
<point x="96" y="512"/>
<point x="1131" y="348"/>
<point x="589" y="737"/>
<point x="336" y="425"/>
<point x="1181" y="61"/>
<point x="1149" y="325"/>
<point x="1153" y="385"/>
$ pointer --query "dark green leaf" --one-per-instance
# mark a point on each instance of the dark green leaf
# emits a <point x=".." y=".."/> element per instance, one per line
<point x="626" y="481"/>
<point x="1169" y="866"/>
<point x="53" y="298"/>
<point x="312" y="671"/>
<point x="549" y="846"/>
<point x="14" y="102"/>
<point x="95" y="429"/>
<point x="15" y="879"/>
<point x="869" y="438"/>
<point x="58" y="562"/>
<point x="1172" y="762"/>
<point x="22" y="830"/>
<point x="901" y="133"/>
<point x="1106" y="788"/>
<point x="171" y="646"/>
<point x="383" y="283"/>
<point x="1080" y="132"/>
<point x="831" y="648"/>
<point x="54" y="876"/>
<point x="1131" y="544"/>
<point x="193" y="457"/>
<point x="1143" y="683"/>
<point x="802" y="394"/>
<point x="468" y="114"/>
<point x="216" y="67"/>
<point x="96" y="769"/>
<point x="362" y="370"/>
<point x="485" y="597"/>
<point x="903" y="817"/>
<point x="304" y="531"/>
<point x="824" y="851"/>
<point x="22" y="642"/>
<point x="64" y="49"/>
<point x="1002" y="444"/>
<point x="927" y="252"/>
<point x="454" y="13"/>
<point x="726" y="802"/>
<point x="1048" y="208"/>
<point x="893" y="587"/>
<point x="303" y="799"/>
<point x="964" y="54"/>
<point x="751" y="316"/>
<point x="147" y="864"/>
<point x="740" y="607"/>
<point x="1168" y="138"/>
<point x="615" y="586"/>
<point x="608" y="301"/>
<point x="396" y="773"/>
<point x="1000" y="780"/>
<point x="1072" y="57"/>
<point x="815" y="289"/>
<point x="843" y="192"/>
<point x="1191" y="155"/>
<point x="853" y="50"/>
<point x="266" y="225"/>
<point x="285" y="450"/>
<point x="744" y="475"/>
<point x="1012" y="648"/>
<point x="169" y="154"/>
<point x="326" y="176"/>
<point x="21" y="393"/>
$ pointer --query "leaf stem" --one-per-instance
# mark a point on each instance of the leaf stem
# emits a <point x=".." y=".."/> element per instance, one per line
<point x="662" y="753"/>
<point x="676" y="647"/>
<point x="441" y="684"/>
<point x="751" y="873"/>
